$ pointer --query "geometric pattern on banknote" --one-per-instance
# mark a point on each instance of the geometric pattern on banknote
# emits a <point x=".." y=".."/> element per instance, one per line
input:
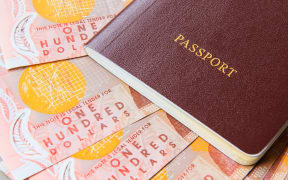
<point x="101" y="148"/>
<point x="63" y="11"/>
<point x="52" y="88"/>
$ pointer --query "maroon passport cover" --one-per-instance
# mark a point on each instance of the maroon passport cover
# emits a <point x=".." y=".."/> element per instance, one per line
<point x="231" y="74"/>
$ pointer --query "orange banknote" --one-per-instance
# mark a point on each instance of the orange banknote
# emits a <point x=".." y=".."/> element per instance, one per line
<point x="136" y="152"/>
<point x="50" y="111"/>
<point x="39" y="31"/>
<point x="202" y="161"/>
<point x="266" y="165"/>
<point x="3" y="168"/>
<point x="279" y="170"/>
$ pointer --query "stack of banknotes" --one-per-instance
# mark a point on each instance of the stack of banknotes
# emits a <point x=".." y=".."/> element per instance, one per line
<point x="63" y="116"/>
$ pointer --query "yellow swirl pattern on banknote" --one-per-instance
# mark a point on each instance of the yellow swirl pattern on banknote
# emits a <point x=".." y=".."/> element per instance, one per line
<point x="52" y="88"/>
<point x="63" y="11"/>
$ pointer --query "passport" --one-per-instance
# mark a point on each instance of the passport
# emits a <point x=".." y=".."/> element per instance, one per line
<point x="219" y="68"/>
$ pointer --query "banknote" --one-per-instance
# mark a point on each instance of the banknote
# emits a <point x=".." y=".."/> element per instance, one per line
<point x="3" y="176"/>
<point x="265" y="164"/>
<point x="50" y="111"/>
<point x="279" y="170"/>
<point x="3" y="170"/>
<point x="136" y="152"/>
<point x="202" y="161"/>
<point x="35" y="31"/>
<point x="2" y="65"/>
